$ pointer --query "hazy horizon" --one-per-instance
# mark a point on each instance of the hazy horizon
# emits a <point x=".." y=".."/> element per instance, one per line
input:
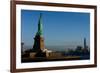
<point x="56" y="48"/>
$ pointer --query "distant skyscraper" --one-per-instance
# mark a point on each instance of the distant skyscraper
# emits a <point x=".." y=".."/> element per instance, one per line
<point x="85" y="46"/>
<point x="22" y="45"/>
<point x="38" y="46"/>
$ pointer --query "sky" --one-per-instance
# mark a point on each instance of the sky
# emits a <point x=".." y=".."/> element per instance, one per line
<point x="60" y="29"/>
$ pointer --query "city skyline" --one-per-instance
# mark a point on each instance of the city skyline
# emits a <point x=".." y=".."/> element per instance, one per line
<point x="59" y="28"/>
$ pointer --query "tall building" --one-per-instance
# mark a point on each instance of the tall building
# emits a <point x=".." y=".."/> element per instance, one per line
<point x="22" y="45"/>
<point x="85" y="46"/>
<point x="38" y="46"/>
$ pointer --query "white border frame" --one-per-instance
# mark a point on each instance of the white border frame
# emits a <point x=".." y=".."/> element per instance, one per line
<point x="20" y="65"/>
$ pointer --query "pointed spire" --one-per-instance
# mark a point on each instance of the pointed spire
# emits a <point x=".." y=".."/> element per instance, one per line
<point x="40" y="27"/>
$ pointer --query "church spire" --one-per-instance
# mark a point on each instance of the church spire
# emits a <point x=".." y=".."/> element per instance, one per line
<point x="40" y="27"/>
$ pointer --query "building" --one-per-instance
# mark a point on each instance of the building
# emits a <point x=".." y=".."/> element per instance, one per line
<point x="22" y="49"/>
<point x="85" y="47"/>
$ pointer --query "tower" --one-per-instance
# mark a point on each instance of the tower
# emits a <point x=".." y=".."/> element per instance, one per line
<point x="85" y="46"/>
<point x="22" y="45"/>
<point x="38" y="46"/>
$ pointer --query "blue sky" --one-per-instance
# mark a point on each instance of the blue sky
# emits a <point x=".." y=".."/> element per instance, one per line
<point x="66" y="29"/>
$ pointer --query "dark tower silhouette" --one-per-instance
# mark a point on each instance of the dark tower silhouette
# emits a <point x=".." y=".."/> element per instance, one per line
<point x="38" y="46"/>
<point x="85" y="46"/>
<point x="22" y="44"/>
